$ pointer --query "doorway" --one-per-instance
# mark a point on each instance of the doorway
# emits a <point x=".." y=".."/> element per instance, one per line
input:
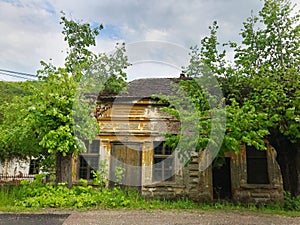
<point x="125" y="165"/>
<point x="222" y="179"/>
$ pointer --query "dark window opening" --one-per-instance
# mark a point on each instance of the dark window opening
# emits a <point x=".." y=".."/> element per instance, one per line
<point x="257" y="166"/>
<point x="34" y="166"/>
<point x="89" y="160"/>
<point x="163" y="162"/>
<point x="88" y="164"/>
<point x="222" y="179"/>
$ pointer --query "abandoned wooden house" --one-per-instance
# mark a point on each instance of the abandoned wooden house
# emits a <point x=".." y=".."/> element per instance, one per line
<point x="133" y="136"/>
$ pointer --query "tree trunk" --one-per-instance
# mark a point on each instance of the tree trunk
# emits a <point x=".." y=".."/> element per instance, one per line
<point x="298" y="167"/>
<point x="288" y="157"/>
<point x="64" y="169"/>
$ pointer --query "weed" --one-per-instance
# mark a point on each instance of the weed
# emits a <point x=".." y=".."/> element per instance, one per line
<point x="119" y="174"/>
<point x="100" y="176"/>
<point x="290" y="202"/>
<point x="39" y="195"/>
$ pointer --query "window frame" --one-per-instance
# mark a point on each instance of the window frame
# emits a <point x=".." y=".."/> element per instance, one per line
<point x="257" y="158"/>
<point x="87" y="156"/>
<point x="165" y="155"/>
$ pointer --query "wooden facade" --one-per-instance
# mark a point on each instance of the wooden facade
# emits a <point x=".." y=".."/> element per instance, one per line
<point x="132" y="137"/>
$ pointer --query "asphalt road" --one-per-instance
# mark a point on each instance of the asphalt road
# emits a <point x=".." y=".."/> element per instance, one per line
<point x="32" y="219"/>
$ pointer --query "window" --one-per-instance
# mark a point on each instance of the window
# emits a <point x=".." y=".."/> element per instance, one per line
<point x="34" y="166"/>
<point x="163" y="162"/>
<point x="89" y="160"/>
<point x="257" y="166"/>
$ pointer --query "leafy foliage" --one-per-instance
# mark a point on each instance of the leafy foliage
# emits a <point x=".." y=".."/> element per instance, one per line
<point x="269" y="61"/>
<point x="37" y="195"/>
<point x="261" y="86"/>
<point x="58" y="114"/>
<point x="15" y="100"/>
<point x="291" y="203"/>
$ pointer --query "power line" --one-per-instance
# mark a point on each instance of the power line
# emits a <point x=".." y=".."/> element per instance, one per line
<point x="18" y="73"/>
<point x="16" y="76"/>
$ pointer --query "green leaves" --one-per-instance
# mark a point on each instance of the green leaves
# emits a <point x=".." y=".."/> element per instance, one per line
<point x="246" y="125"/>
<point x="56" y="115"/>
<point x="261" y="85"/>
<point x="63" y="114"/>
<point x="18" y="139"/>
<point x="79" y="37"/>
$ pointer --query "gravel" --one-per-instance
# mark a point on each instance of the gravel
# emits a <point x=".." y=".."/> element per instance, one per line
<point x="176" y="217"/>
<point x="144" y="217"/>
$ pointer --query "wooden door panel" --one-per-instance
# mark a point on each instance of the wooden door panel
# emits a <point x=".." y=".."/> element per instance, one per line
<point x="127" y="156"/>
<point x="133" y="170"/>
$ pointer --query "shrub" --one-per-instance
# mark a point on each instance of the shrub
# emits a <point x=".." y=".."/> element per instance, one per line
<point x="291" y="203"/>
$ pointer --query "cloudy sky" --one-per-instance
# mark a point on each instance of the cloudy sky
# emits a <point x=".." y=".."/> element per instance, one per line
<point x="157" y="33"/>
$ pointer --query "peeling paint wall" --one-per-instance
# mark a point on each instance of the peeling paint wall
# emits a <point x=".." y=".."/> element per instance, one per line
<point x="14" y="168"/>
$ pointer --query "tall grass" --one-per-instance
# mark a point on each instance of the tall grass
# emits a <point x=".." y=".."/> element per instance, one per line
<point x="9" y="194"/>
<point x="37" y="196"/>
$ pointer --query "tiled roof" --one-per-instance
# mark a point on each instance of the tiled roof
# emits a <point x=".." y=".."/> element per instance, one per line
<point x="145" y="88"/>
<point x="149" y="87"/>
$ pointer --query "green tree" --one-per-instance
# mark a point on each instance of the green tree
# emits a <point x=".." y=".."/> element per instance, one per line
<point x="59" y="113"/>
<point x="269" y="59"/>
<point x="9" y="90"/>
<point x="261" y="85"/>
<point x="14" y="102"/>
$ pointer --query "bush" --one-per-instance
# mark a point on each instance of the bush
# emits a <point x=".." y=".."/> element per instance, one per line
<point x="291" y="203"/>
<point x="39" y="195"/>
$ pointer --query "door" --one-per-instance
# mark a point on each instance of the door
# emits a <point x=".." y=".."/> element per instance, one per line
<point x="222" y="179"/>
<point x="125" y="165"/>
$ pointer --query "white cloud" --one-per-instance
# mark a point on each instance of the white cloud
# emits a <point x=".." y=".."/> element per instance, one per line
<point x="152" y="69"/>
<point x="29" y="34"/>
<point x="30" y="29"/>
<point x="155" y="34"/>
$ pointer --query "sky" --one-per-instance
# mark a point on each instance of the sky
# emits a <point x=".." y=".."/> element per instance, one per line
<point x="158" y="34"/>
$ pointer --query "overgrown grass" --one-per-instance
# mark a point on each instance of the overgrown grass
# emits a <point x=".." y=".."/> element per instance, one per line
<point x="8" y="196"/>
<point x="37" y="196"/>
